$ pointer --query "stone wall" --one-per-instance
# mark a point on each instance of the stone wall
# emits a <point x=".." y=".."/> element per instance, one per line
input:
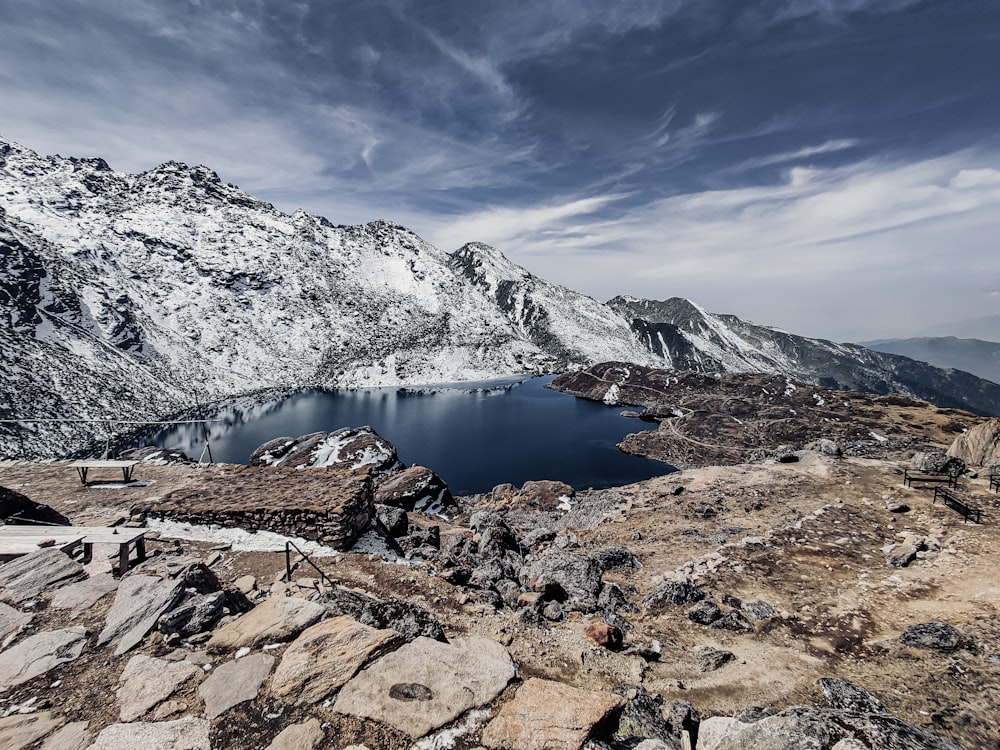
<point x="327" y="505"/>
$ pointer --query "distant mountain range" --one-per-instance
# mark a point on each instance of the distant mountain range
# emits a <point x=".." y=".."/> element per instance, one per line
<point x="135" y="296"/>
<point x="981" y="358"/>
<point x="984" y="329"/>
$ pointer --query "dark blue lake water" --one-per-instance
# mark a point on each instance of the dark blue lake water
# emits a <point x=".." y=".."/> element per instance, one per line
<point x="473" y="436"/>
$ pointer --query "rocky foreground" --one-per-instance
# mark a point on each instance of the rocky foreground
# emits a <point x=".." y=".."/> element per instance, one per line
<point x="807" y="599"/>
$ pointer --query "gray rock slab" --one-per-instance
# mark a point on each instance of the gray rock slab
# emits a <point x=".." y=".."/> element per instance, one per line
<point x="805" y="728"/>
<point x="138" y="605"/>
<point x="426" y="683"/>
<point x="40" y="653"/>
<point x="28" y="576"/>
<point x="327" y="655"/>
<point x="234" y="682"/>
<point x="280" y="618"/>
<point x="22" y="730"/>
<point x="304" y="736"/>
<point x="73" y="736"/>
<point x="147" y="681"/>
<point x="11" y="623"/>
<point x="80" y="596"/>
<point x="187" y="733"/>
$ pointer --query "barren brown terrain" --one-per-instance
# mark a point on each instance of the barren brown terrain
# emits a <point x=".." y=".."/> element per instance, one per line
<point x="807" y="540"/>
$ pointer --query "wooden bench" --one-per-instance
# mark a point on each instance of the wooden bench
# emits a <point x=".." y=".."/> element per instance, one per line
<point x="21" y="539"/>
<point x="14" y="543"/>
<point x="84" y="466"/>
<point x="956" y="503"/>
<point x="995" y="482"/>
<point x="909" y="477"/>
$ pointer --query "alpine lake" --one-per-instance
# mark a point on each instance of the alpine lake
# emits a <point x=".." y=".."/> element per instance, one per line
<point x="474" y="435"/>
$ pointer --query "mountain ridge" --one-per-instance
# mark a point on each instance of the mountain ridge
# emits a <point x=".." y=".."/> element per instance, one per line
<point x="137" y="296"/>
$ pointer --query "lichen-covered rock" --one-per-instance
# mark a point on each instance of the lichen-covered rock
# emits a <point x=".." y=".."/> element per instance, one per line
<point x="577" y="574"/>
<point x="614" y="558"/>
<point x="758" y="610"/>
<point x="406" y="618"/>
<point x="849" y="697"/>
<point x="734" y="621"/>
<point x="937" y="462"/>
<point x="704" y="612"/>
<point x="937" y="636"/>
<point x="642" y="717"/>
<point x="804" y="727"/>
<point x="673" y="592"/>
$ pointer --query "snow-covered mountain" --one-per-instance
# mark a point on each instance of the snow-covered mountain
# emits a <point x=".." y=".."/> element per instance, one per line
<point x="688" y="337"/>
<point x="134" y="295"/>
<point x="556" y="319"/>
<point x="137" y="296"/>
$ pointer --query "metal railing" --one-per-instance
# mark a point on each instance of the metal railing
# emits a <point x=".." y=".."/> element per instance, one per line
<point x="289" y="546"/>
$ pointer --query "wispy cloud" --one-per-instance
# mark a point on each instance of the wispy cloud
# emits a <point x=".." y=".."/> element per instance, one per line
<point x="508" y="227"/>
<point x="827" y="147"/>
<point x="847" y="239"/>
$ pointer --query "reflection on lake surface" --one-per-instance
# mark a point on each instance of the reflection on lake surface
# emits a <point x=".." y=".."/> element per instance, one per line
<point x="474" y="435"/>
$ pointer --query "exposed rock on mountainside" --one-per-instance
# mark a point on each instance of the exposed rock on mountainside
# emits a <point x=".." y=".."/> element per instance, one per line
<point x="730" y="418"/>
<point x="556" y="319"/>
<point x="688" y="337"/>
<point x="980" y="446"/>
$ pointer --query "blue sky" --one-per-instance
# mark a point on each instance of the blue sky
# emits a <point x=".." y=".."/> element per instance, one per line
<point x="831" y="167"/>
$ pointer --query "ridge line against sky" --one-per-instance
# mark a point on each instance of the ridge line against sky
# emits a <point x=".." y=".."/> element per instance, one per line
<point x="831" y="167"/>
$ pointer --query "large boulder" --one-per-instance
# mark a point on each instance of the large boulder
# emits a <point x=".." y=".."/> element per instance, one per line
<point x="347" y="448"/>
<point x="39" y="653"/>
<point x="26" y="577"/>
<point x="546" y="715"/>
<point x="937" y="462"/>
<point x="577" y="574"/>
<point x="544" y="495"/>
<point x="416" y="488"/>
<point x="980" y="445"/>
<point x="327" y="655"/>
<point x="16" y="508"/>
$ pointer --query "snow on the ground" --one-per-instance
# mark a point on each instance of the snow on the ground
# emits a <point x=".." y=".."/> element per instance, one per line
<point x="240" y="539"/>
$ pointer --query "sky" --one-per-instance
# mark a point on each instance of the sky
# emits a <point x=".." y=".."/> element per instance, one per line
<point x="830" y="167"/>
